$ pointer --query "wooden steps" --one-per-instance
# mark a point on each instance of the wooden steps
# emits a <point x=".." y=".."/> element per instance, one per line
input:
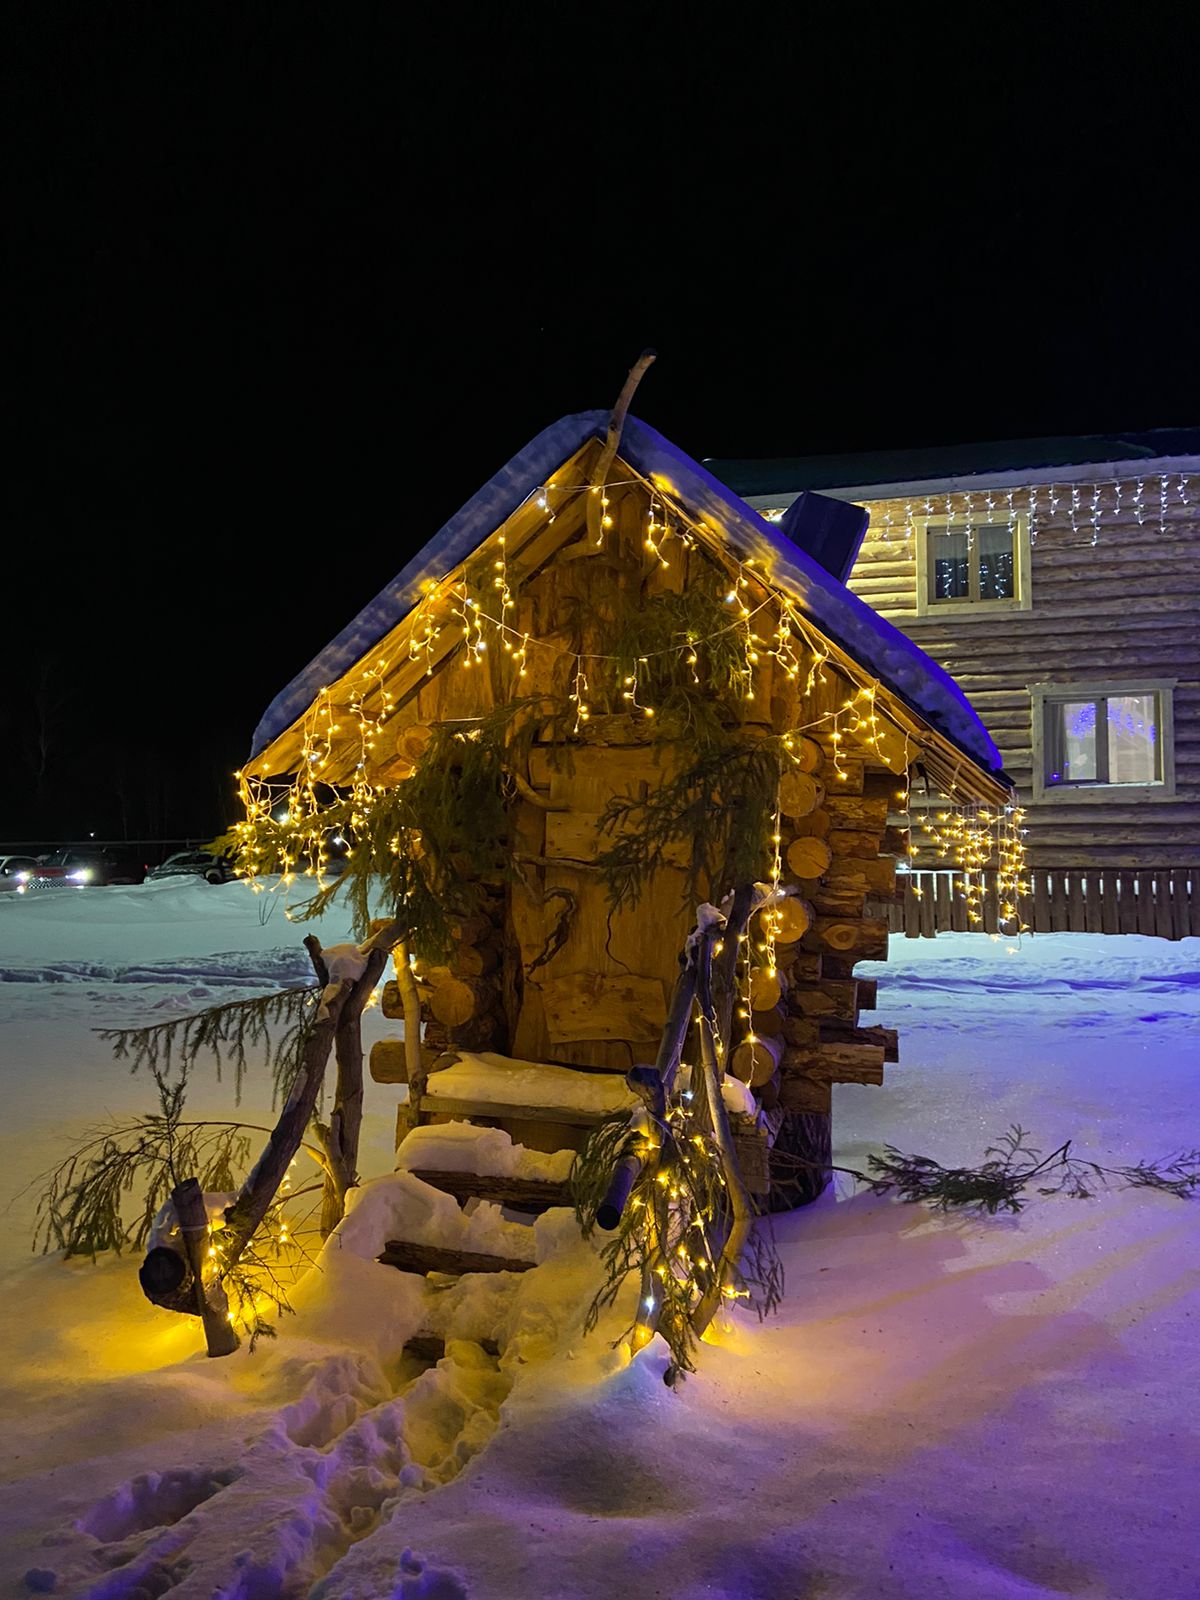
<point x="504" y="1111"/>
<point x="424" y="1258"/>
<point x="431" y="1347"/>
<point x="522" y="1194"/>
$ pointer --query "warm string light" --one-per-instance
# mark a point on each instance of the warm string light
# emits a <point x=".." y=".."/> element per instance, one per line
<point x="1011" y="886"/>
<point x="973" y="837"/>
<point x="300" y="839"/>
<point x="579" y="689"/>
<point x="655" y="531"/>
<point x="279" y="1253"/>
<point x="630" y="687"/>
<point x="500" y="584"/>
<point x="769" y="918"/>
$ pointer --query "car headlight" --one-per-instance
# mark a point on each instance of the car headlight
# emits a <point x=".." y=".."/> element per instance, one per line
<point x="81" y="875"/>
<point x="22" y="877"/>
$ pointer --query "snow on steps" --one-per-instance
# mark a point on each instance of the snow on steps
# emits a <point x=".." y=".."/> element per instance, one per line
<point x="470" y="1162"/>
<point x="490" y="1085"/>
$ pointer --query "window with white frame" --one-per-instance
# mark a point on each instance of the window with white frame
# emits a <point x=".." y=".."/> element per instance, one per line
<point x="978" y="563"/>
<point x="1103" y="739"/>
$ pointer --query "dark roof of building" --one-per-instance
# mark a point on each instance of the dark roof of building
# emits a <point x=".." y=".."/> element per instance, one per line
<point x="787" y="474"/>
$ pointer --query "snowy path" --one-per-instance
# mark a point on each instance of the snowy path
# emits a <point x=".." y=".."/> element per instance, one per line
<point x="991" y="1410"/>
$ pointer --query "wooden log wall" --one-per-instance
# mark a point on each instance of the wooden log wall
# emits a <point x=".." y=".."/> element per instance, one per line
<point x="803" y="1032"/>
<point x="1126" y="607"/>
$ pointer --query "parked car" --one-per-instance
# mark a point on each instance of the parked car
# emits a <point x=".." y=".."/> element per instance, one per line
<point x="194" y="864"/>
<point x="14" y="870"/>
<point x="81" y="868"/>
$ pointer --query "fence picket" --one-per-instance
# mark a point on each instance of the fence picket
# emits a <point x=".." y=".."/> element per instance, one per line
<point x="1161" y="902"/>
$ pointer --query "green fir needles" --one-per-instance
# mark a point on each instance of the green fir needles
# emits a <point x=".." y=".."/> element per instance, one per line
<point x="273" y="1026"/>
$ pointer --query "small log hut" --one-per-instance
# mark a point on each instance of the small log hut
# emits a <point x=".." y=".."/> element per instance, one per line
<point x="526" y="596"/>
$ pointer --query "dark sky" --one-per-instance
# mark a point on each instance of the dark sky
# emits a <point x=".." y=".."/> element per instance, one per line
<point x="287" y="285"/>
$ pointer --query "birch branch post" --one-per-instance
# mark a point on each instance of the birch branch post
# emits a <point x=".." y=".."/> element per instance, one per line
<point x="220" y="1336"/>
<point x="741" y="1211"/>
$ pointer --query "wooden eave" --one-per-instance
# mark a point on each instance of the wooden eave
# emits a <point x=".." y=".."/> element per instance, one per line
<point x="530" y="542"/>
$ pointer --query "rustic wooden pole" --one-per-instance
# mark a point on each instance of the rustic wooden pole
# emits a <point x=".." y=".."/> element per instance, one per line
<point x="410" y="1000"/>
<point x="340" y="1136"/>
<point x="258" y="1191"/>
<point x="604" y="461"/>
<point x="722" y="970"/>
<point x="219" y="1333"/>
<point x="616" y="1197"/>
<point x="670" y="1046"/>
<point x="741" y="1213"/>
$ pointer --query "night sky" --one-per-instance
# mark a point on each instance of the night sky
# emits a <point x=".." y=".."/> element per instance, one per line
<point x="286" y="286"/>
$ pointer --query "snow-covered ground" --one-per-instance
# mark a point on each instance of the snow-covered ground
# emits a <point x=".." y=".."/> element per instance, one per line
<point x="986" y="1409"/>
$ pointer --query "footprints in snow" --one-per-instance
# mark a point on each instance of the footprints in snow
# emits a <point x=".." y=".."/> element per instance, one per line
<point x="316" y="1480"/>
<point x="151" y="1501"/>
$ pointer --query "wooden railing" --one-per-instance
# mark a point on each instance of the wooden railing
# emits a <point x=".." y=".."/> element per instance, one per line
<point x="1161" y="901"/>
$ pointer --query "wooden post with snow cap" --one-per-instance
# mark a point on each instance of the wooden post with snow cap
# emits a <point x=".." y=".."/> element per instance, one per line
<point x="219" y="1333"/>
<point x="363" y="967"/>
<point x="740" y="1210"/>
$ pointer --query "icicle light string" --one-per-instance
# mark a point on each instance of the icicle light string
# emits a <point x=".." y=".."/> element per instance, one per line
<point x="971" y="837"/>
<point x="1043" y="502"/>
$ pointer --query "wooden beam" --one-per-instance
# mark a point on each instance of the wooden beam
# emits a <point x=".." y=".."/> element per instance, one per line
<point x="435" y="1105"/>
<point x="431" y="1347"/>
<point x="527" y="1194"/>
<point x="408" y="1257"/>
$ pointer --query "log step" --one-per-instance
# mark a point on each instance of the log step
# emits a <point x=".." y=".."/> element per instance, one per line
<point x="525" y="1194"/>
<point x="408" y="1257"/>
<point x="431" y="1347"/>
<point x="505" y="1111"/>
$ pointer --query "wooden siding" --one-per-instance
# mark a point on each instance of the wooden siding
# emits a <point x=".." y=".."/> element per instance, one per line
<point x="1125" y="607"/>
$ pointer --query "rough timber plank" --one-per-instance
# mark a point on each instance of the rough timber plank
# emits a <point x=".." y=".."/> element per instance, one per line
<point x="526" y="1193"/>
<point x="503" y="1111"/>
<point x="431" y="1347"/>
<point x="585" y="1005"/>
<point x="432" y="1258"/>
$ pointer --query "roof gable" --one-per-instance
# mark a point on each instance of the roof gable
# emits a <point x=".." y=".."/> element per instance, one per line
<point x="848" y="621"/>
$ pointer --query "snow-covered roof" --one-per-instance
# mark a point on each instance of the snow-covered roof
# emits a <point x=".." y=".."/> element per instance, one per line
<point x="884" y="474"/>
<point x="845" y="619"/>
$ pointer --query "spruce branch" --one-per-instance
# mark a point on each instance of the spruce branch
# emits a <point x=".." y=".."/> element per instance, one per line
<point x="276" y="1024"/>
<point x="1013" y="1168"/>
<point x="722" y="806"/>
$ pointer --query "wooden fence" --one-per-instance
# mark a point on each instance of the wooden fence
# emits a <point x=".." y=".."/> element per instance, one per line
<point x="1162" y="901"/>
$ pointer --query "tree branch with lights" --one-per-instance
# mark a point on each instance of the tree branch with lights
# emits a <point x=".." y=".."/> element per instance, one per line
<point x="210" y="1234"/>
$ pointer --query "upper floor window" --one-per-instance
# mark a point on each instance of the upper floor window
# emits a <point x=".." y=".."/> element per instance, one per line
<point x="1094" y="739"/>
<point x="980" y="563"/>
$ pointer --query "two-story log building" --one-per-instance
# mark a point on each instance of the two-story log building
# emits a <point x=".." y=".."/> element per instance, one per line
<point x="1058" y="581"/>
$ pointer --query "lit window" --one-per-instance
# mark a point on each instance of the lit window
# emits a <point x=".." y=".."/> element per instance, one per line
<point x="963" y="565"/>
<point x="1103" y="736"/>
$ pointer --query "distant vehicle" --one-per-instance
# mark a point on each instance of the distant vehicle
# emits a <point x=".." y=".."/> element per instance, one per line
<point x="194" y="864"/>
<point x="82" y="868"/>
<point x="15" y="869"/>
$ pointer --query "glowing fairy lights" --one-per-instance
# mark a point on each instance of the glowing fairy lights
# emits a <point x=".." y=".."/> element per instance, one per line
<point x="468" y="610"/>
<point x="972" y="837"/>
<point x="1087" y="507"/>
